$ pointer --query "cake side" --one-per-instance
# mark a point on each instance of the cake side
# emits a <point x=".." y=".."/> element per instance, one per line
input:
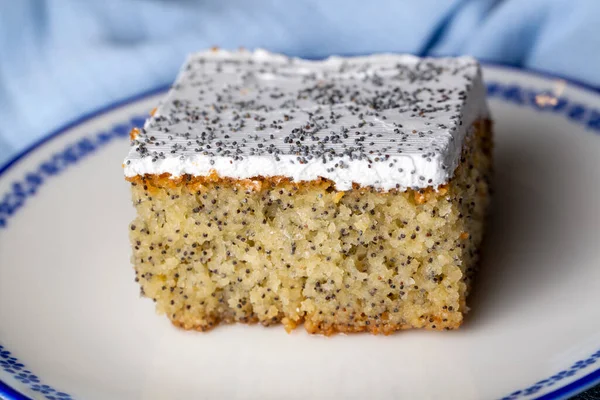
<point x="269" y="250"/>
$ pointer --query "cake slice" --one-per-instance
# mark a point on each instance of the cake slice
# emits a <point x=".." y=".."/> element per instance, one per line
<point x="347" y="194"/>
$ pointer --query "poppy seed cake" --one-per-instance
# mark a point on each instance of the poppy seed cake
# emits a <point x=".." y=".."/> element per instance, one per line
<point x="347" y="194"/>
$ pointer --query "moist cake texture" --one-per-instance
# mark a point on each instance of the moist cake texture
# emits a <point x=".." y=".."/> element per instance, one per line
<point x="347" y="194"/>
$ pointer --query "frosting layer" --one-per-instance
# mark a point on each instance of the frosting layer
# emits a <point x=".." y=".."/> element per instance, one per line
<point x="386" y="121"/>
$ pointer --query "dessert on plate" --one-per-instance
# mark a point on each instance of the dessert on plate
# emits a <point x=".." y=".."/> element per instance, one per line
<point x="346" y="194"/>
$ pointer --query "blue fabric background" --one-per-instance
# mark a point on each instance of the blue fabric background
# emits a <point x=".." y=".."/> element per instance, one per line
<point x="61" y="58"/>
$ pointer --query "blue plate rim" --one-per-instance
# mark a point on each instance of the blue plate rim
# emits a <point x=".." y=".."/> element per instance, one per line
<point x="575" y="387"/>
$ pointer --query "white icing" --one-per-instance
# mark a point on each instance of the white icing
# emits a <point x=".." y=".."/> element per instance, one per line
<point x="423" y="152"/>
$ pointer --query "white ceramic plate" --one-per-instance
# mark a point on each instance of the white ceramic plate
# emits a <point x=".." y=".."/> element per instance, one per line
<point x="72" y="324"/>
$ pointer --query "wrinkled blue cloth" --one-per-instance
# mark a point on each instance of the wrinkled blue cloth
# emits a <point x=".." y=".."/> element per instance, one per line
<point x="62" y="58"/>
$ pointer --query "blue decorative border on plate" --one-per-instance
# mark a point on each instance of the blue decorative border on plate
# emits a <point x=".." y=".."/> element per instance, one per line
<point x="546" y="101"/>
<point x="554" y="379"/>
<point x="18" y="371"/>
<point x="12" y="201"/>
